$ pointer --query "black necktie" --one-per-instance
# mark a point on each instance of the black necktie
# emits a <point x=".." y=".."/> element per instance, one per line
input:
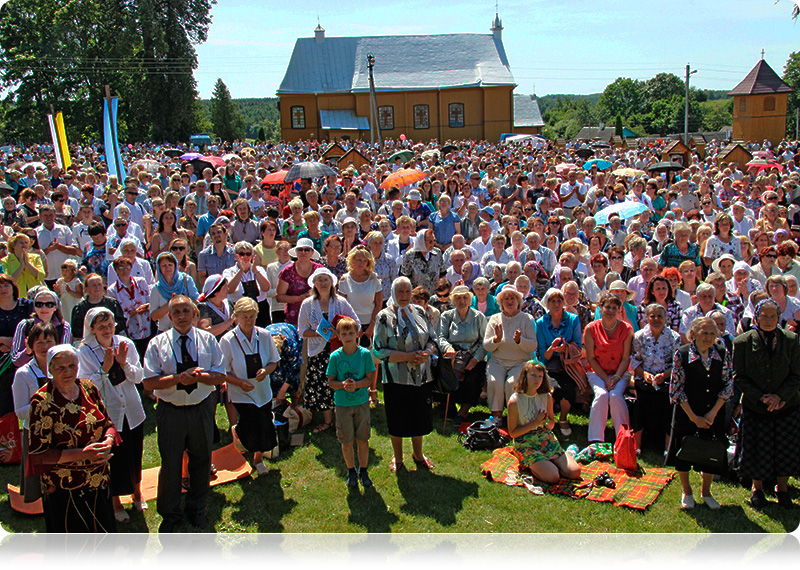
<point x="185" y="359"/>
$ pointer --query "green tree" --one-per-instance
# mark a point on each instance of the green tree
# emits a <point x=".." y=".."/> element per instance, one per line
<point x="663" y="86"/>
<point x="227" y="122"/>
<point x="262" y="134"/>
<point x="64" y="53"/>
<point x="717" y="116"/>
<point x="623" y="97"/>
<point x="791" y="75"/>
<point x="618" y="126"/>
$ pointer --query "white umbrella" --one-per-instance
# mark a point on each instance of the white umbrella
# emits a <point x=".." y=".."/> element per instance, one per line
<point x="36" y="165"/>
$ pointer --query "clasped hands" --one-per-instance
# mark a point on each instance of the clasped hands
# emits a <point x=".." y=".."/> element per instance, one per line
<point x="498" y="334"/>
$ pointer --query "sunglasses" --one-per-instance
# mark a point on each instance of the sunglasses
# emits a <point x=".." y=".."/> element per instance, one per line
<point x="131" y="193"/>
<point x="245" y="253"/>
<point x="45" y="304"/>
<point x="303" y="249"/>
<point x="513" y="223"/>
<point x="120" y="225"/>
<point x="58" y="199"/>
<point x="178" y="248"/>
<point x="771" y="256"/>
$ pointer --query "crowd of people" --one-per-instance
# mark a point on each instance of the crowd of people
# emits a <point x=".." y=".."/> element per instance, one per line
<point x="204" y="288"/>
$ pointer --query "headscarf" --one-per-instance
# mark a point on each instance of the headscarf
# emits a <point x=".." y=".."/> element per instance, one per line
<point x="126" y="241"/>
<point x="770" y="338"/>
<point x="91" y="316"/>
<point x="475" y="272"/>
<point x="419" y="243"/>
<point x="178" y="287"/>
<point x="542" y="282"/>
<point x="58" y="349"/>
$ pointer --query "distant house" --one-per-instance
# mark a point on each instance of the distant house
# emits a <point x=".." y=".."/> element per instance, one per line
<point x="759" y="106"/>
<point x="678" y="152"/>
<point x="450" y="86"/>
<point x="527" y="116"/>
<point x="735" y="152"/>
<point x="603" y="134"/>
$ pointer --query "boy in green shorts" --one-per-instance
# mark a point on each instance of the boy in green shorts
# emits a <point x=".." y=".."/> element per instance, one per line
<point x="351" y="372"/>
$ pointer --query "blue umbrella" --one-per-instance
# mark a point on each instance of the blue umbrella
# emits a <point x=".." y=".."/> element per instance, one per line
<point x="601" y="164"/>
<point x="190" y="156"/>
<point x="624" y="210"/>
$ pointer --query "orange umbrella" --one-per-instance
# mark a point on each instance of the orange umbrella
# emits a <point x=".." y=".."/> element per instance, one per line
<point x="403" y="177"/>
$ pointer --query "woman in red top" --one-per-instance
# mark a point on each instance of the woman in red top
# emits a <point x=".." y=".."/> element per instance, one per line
<point x="608" y="351"/>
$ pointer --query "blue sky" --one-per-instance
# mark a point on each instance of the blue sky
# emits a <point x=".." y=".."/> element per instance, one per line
<point x="553" y="46"/>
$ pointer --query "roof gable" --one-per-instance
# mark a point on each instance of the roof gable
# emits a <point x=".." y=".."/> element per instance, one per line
<point x="526" y="111"/>
<point x="762" y="80"/>
<point x="338" y="65"/>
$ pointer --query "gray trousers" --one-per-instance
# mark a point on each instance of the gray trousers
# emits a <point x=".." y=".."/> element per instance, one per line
<point x="182" y="428"/>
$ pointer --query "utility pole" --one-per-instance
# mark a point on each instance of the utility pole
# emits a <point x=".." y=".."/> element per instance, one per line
<point x="686" y="107"/>
<point x="373" y="105"/>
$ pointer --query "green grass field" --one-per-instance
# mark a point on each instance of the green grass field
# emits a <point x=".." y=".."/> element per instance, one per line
<point x="305" y="491"/>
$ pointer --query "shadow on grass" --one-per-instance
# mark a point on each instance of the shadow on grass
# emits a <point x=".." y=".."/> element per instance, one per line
<point x="368" y="509"/>
<point x="419" y="487"/>
<point x="263" y="503"/>
<point x="730" y="518"/>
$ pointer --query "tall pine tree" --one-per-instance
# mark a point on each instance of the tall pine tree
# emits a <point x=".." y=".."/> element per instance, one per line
<point x="226" y="120"/>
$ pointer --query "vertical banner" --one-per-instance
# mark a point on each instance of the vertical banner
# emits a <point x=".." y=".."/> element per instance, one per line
<point x="63" y="148"/>
<point x="113" y="156"/>
<point x="54" y="137"/>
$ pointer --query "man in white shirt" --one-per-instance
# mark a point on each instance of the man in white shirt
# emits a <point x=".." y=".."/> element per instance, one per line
<point x="56" y="242"/>
<point x="482" y="243"/>
<point x="572" y="193"/>
<point x="135" y="209"/>
<point x="80" y="229"/>
<point x="182" y="366"/>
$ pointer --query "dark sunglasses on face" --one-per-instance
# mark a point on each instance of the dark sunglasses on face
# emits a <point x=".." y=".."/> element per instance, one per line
<point x="771" y="256"/>
<point x="120" y="225"/>
<point x="302" y="249"/>
<point x="245" y="253"/>
<point x="178" y="248"/>
<point x="45" y="304"/>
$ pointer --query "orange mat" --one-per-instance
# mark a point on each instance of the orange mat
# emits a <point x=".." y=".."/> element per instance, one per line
<point x="231" y="465"/>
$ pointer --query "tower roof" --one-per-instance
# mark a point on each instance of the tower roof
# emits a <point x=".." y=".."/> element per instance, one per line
<point x="762" y="80"/>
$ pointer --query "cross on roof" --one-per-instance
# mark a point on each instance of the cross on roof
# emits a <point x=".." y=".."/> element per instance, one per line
<point x="762" y="53"/>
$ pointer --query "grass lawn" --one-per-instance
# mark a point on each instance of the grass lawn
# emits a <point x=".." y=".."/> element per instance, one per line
<point x="305" y="491"/>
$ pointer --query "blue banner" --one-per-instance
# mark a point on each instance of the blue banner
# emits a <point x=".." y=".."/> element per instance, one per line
<point x="113" y="156"/>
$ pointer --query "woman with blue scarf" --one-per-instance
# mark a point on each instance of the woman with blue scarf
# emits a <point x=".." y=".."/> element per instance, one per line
<point x="169" y="282"/>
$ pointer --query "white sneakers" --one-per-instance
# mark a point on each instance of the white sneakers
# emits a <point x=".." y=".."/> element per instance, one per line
<point x="687" y="501"/>
<point x="711" y="503"/>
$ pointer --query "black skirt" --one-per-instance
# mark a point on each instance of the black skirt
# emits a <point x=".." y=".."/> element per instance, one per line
<point x="683" y="427"/>
<point x="126" y="462"/>
<point x="653" y="410"/>
<point x="408" y="409"/>
<point x="768" y="445"/>
<point x="255" y="428"/>
<point x="469" y="389"/>
<point x="79" y="511"/>
<point x="30" y="486"/>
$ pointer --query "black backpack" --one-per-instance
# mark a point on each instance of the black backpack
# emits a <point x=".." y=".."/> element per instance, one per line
<point x="483" y="435"/>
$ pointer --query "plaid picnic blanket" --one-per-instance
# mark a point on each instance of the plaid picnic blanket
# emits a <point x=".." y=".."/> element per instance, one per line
<point x="636" y="490"/>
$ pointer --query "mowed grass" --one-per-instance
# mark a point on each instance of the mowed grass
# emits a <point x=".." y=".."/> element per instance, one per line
<point x="305" y="491"/>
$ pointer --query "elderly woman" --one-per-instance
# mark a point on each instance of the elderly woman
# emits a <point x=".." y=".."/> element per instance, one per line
<point x="766" y="361"/>
<point x="681" y="250"/>
<point x="246" y="279"/>
<point x="293" y="280"/>
<point x="362" y="289"/>
<point x="244" y="228"/>
<point x="576" y="303"/>
<point x="170" y="282"/>
<point x="461" y="332"/>
<point x="404" y="340"/>
<point x="723" y="240"/>
<point x="334" y="261"/>
<point x="250" y="356"/>
<point x="47" y="310"/>
<point x="285" y="379"/>
<point x="595" y="285"/>
<point x="69" y="446"/>
<point x="322" y="304"/>
<point x="651" y="361"/>
<point x="483" y="301"/>
<point x="113" y="364"/>
<point x="133" y="295"/>
<point x="27" y="381"/>
<point x="555" y="332"/>
<point x="701" y="382"/>
<point x="510" y="338"/>
<point x="385" y="264"/>
<point x="128" y="249"/>
<point x="706" y="295"/>
<point x="787" y="251"/>
<point x="423" y="264"/>
<point x="214" y="308"/>
<point x="608" y="351"/>
<point x="24" y="267"/>
<point x="789" y="306"/>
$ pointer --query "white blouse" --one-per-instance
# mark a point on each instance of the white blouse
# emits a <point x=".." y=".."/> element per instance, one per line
<point x="122" y="401"/>
<point x="234" y="347"/>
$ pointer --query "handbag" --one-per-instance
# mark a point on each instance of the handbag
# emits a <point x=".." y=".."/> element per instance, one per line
<point x="625" y="449"/>
<point x="483" y="435"/>
<point x="704" y="452"/>
<point x="297" y="417"/>
<point x="444" y="380"/>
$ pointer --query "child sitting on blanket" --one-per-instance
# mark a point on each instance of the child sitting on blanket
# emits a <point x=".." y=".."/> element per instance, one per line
<point x="530" y="423"/>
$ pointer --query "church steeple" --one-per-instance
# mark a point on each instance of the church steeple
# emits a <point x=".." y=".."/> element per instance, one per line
<point x="497" y="25"/>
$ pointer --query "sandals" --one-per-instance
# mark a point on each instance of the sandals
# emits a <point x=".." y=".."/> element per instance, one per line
<point x="394" y="465"/>
<point x="605" y="480"/>
<point x="322" y="427"/>
<point x="423" y="463"/>
<point x="564" y="427"/>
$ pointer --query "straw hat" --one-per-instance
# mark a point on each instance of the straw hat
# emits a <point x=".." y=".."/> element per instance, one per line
<point x="304" y="242"/>
<point x="715" y="264"/>
<point x="619" y="285"/>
